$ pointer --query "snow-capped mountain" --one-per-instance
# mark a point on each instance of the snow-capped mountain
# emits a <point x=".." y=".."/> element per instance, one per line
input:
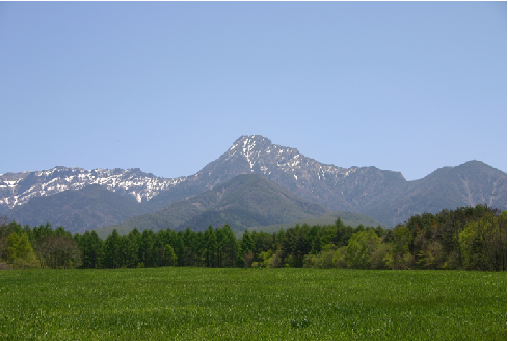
<point x="381" y="194"/>
<point x="257" y="154"/>
<point x="328" y="185"/>
<point x="19" y="188"/>
<point x="334" y="187"/>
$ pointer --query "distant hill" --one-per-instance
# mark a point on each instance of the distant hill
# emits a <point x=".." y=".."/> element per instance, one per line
<point x="348" y="218"/>
<point x="77" y="211"/>
<point x="244" y="201"/>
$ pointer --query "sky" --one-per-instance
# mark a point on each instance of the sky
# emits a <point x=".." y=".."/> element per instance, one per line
<point x="167" y="87"/>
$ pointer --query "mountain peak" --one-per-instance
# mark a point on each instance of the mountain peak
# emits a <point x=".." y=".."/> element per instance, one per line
<point x="246" y="143"/>
<point x="477" y="164"/>
<point x="252" y="138"/>
<point x="259" y="154"/>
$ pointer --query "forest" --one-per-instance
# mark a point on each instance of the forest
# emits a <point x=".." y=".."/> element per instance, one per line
<point x="467" y="238"/>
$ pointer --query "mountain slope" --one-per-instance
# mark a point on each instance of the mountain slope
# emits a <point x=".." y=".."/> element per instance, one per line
<point x="244" y="201"/>
<point x="468" y="184"/>
<point x="348" y="218"/>
<point x="90" y="208"/>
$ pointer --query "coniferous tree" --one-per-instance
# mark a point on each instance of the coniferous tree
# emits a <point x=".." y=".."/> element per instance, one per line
<point x="180" y="248"/>
<point x="211" y="247"/>
<point x="111" y="248"/>
<point x="228" y="247"/>
<point x="132" y="248"/>
<point x="246" y="248"/>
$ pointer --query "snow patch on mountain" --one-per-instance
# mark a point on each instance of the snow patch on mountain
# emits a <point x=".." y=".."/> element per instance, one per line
<point x="141" y="186"/>
<point x="256" y="153"/>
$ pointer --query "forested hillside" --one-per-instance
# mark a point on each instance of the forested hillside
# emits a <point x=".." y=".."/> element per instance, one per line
<point x="472" y="238"/>
<point x="246" y="200"/>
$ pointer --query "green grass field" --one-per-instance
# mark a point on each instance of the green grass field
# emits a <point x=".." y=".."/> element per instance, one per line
<point x="251" y="304"/>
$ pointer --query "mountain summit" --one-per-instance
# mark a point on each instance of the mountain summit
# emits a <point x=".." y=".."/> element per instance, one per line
<point x="334" y="187"/>
<point x="381" y="194"/>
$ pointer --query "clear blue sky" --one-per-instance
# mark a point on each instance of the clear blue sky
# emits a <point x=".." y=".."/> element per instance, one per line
<point x="168" y="86"/>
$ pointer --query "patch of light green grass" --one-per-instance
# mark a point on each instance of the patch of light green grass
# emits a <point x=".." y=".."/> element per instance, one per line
<point x="252" y="304"/>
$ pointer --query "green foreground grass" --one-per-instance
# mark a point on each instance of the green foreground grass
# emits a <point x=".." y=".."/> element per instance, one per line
<point x="251" y="304"/>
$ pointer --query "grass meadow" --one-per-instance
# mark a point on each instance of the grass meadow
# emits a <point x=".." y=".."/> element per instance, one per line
<point x="251" y="304"/>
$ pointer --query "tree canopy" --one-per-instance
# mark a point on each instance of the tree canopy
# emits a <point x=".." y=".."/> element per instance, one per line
<point x="471" y="238"/>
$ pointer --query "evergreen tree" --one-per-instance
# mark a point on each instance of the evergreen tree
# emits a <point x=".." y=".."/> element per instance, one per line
<point x="147" y="248"/>
<point x="228" y="247"/>
<point x="180" y="248"/>
<point x="96" y="250"/>
<point x="111" y="248"/>
<point x="211" y="247"/>
<point x="132" y="248"/>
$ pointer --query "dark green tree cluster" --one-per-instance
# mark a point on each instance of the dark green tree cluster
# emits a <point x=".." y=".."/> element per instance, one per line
<point x="211" y="248"/>
<point x="472" y="238"/>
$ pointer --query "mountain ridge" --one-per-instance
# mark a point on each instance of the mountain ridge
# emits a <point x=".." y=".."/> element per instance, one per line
<point x="19" y="188"/>
<point x="382" y="194"/>
<point x="89" y="208"/>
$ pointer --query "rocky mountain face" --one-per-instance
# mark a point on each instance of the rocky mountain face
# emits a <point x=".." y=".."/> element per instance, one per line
<point x="18" y="188"/>
<point x="331" y="186"/>
<point x="384" y="195"/>
<point x="469" y="184"/>
<point x="381" y="194"/>
<point x="249" y="154"/>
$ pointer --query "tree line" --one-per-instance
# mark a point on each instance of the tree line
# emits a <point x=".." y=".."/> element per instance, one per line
<point x="471" y="238"/>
